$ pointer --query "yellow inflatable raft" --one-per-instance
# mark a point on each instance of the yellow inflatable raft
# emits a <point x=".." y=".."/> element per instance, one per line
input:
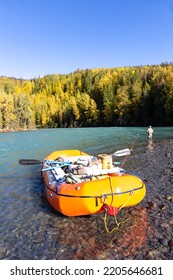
<point x="77" y="184"/>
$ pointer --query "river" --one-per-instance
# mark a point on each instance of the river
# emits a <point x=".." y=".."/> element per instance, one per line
<point x="30" y="228"/>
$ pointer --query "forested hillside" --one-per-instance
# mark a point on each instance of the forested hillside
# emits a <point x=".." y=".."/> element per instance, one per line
<point x="128" y="96"/>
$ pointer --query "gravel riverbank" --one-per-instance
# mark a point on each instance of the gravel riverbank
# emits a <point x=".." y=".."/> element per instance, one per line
<point x="157" y="168"/>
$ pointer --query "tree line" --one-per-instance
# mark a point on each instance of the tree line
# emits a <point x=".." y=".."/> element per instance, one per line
<point x="126" y="96"/>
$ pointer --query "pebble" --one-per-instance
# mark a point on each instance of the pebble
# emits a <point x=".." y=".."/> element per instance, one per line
<point x="170" y="197"/>
<point x="164" y="242"/>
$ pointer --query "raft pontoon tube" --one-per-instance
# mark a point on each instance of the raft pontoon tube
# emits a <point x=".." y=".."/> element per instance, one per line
<point x="76" y="183"/>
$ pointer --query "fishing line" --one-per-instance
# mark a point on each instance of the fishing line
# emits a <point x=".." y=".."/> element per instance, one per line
<point x="136" y="137"/>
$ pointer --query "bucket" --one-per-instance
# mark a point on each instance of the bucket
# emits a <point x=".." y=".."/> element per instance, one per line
<point x="106" y="161"/>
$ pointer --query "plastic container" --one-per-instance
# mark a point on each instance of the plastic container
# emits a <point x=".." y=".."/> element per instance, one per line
<point x="106" y="161"/>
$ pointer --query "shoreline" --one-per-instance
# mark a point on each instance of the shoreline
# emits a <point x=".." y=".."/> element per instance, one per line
<point x="6" y="130"/>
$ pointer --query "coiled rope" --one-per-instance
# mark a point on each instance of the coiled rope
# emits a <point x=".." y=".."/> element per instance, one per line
<point x="113" y="211"/>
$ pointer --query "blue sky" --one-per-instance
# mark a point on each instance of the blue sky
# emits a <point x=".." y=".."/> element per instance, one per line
<point x="40" y="37"/>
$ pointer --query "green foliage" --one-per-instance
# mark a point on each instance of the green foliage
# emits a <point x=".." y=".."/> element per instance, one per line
<point x="97" y="97"/>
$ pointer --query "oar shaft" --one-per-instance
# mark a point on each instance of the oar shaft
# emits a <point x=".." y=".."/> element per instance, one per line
<point x="29" y="161"/>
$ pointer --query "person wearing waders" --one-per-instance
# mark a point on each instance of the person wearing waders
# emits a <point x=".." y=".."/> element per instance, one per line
<point x="150" y="133"/>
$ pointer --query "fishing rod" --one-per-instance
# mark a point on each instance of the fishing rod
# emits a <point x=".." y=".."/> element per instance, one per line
<point x="136" y="137"/>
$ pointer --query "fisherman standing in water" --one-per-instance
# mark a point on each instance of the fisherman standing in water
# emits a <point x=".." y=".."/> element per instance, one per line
<point x="150" y="133"/>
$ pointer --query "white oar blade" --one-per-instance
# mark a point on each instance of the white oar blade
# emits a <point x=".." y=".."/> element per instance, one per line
<point x="121" y="153"/>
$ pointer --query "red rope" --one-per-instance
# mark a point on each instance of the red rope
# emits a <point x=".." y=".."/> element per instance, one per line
<point x="110" y="210"/>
